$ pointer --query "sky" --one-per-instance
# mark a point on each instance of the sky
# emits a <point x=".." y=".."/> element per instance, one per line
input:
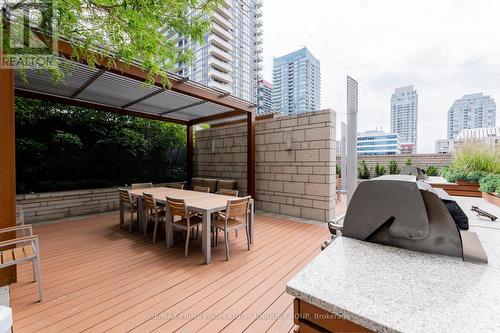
<point x="445" y="48"/>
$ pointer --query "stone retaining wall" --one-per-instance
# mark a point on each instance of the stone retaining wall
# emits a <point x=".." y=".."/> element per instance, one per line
<point x="55" y="205"/>
<point x="295" y="162"/>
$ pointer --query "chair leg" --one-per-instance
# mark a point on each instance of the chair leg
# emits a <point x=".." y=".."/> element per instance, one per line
<point x="248" y="236"/>
<point x="38" y="273"/>
<point x="227" y="244"/>
<point x="187" y="242"/>
<point x="154" y="231"/>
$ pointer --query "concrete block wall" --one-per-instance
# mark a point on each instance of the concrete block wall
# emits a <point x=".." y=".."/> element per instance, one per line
<point x="55" y="205"/>
<point x="295" y="162"/>
<point x="420" y="160"/>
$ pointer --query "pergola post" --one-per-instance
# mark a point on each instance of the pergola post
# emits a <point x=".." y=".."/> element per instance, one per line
<point x="7" y="164"/>
<point x="251" y="154"/>
<point x="189" y="132"/>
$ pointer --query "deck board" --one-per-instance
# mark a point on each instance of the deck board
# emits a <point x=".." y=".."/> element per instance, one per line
<point x="99" y="278"/>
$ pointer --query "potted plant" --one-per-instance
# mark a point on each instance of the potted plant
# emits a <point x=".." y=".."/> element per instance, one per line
<point x="431" y="171"/>
<point x="489" y="186"/>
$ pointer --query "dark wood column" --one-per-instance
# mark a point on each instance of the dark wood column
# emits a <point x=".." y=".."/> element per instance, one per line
<point x="189" y="131"/>
<point x="251" y="154"/>
<point x="7" y="164"/>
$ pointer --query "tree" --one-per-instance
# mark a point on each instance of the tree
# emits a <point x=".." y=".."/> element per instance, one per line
<point x="134" y="31"/>
<point x="408" y="161"/>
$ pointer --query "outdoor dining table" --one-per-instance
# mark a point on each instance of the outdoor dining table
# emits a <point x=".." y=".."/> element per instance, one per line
<point x="203" y="203"/>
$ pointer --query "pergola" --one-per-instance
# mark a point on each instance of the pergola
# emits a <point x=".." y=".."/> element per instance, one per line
<point x="119" y="88"/>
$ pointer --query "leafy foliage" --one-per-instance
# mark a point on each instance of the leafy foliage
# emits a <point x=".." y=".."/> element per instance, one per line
<point x="490" y="183"/>
<point x="472" y="163"/>
<point x="408" y="161"/>
<point x="393" y="168"/>
<point x="379" y="170"/>
<point x="364" y="171"/>
<point x="134" y="31"/>
<point x="61" y="147"/>
<point x="338" y="169"/>
<point x="431" y="171"/>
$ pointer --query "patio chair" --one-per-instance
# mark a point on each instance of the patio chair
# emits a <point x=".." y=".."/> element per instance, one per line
<point x="139" y="186"/>
<point x="202" y="189"/>
<point x="20" y="217"/>
<point x="196" y="182"/>
<point x="154" y="212"/>
<point x="179" y="186"/>
<point x="188" y="221"/>
<point x="128" y="205"/>
<point x="234" y="218"/>
<point x="28" y="250"/>
<point x="232" y="193"/>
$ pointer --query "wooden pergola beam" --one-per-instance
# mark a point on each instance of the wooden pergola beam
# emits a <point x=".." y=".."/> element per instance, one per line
<point x="7" y="164"/>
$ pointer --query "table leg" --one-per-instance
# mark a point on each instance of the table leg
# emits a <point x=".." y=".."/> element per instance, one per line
<point x="205" y="241"/>
<point x="169" y="233"/>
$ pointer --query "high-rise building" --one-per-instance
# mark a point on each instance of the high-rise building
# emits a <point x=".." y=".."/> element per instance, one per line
<point x="404" y="115"/>
<point x="296" y="83"/>
<point x="378" y="142"/>
<point x="489" y="137"/>
<point x="230" y="59"/>
<point x="264" y="96"/>
<point x="471" y="111"/>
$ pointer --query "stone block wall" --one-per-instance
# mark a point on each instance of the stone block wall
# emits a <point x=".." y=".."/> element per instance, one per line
<point x="56" y="205"/>
<point x="420" y="160"/>
<point x="295" y="162"/>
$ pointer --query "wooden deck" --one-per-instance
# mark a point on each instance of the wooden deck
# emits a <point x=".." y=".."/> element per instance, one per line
<point x="100" y="278"/>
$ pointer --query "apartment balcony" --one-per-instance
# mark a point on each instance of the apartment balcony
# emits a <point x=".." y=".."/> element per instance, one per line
<point x="259" y="32"/>
<point x="259" y="41"/>
<point x="220" y="76"/>
<point x="219" y="85"/>
<point x="219" y="65"/>
<point x="259" y="23"/>
<point x="220" y="43"/>
<point x="219" y="53"/>
<point x="221" y="32"/>
<point x="222" y="21"/>
<point x="224" y="12"/>
<point x="259" y="3"/>
<point x="259" y="49"/>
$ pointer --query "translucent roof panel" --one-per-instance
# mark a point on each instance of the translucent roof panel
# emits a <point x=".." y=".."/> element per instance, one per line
<point x="98" y="88"/>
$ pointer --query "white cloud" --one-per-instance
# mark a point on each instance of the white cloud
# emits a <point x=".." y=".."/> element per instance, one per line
<point x="445" y="48"/>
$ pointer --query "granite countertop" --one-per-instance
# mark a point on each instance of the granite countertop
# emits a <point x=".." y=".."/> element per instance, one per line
<point x="388" y="289"/>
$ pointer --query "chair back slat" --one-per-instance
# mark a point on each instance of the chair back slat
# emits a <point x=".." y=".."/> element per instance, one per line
<point x="178" y="186"/>
<point x="202" y="189"/>
<point x="177" y="207"/>
<point x="139" y="186"/>
<point x="238" y="207"/>
<point x="150" y="201"/>
<point x="125" y="196"/>
<point x="232" y="193"/>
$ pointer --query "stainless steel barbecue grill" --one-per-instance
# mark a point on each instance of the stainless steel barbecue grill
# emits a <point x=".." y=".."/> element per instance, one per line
<point x="404" y="212"/>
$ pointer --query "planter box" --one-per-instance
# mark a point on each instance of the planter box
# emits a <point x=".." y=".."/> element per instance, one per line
<point x="491" y="197"/>
<point x="461" y="188"/>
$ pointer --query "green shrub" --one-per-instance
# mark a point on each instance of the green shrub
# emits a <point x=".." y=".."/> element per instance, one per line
<point x="408" y="161"/>
<point x="363" y="171"/>
<point x="431" y="171"/>
<point x="490" y="183"/>
<point x="477" y="157"/>
<point x="379" y="170"/>
<point x="338" y="170"/>
<point x="393" y="168"/>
